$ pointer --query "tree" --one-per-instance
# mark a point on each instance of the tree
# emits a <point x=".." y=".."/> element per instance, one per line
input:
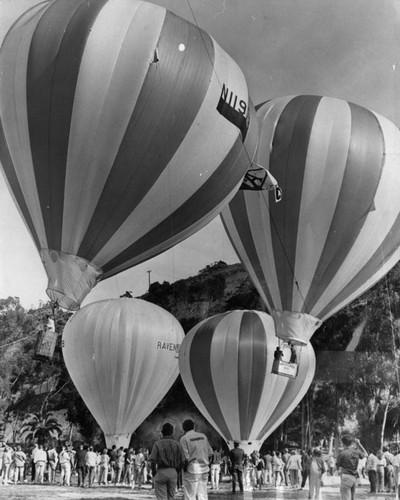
<point x="41" y="427"/>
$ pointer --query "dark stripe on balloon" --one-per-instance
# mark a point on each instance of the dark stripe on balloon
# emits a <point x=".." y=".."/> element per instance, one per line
<point x="385" y="251"/>
<point x="287" y="164"/>
<point x="356" y="198"/>
<point x="15" y="188"/>
<point x="54" y="60"/>
<point x="201" y="372"/>
<point x="252" y="362"/>
<point x="290" y="393"/>
<point x="201" y="203"/>
<point x="156" y="128"/>
<point x="242" y="219"/>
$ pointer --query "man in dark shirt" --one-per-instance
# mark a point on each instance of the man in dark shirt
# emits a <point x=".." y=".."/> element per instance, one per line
<point x="236" y="457"/>
<point x="166" y="459"/>
<point x="80" y="465"/>
<point x="347" y="463"/>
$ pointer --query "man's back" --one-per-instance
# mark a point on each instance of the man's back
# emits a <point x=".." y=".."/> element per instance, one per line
<point x="236" y="457"/>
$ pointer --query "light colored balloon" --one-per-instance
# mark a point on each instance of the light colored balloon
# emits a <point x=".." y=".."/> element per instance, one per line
<point x="225" y="363"/>
<point x="336" y="231"/>
<point x="115" y="142"/>
<point x="122" y="356"/>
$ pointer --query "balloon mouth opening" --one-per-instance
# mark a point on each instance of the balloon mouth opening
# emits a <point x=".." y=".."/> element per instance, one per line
<point x="295" y="327"/>
<point x="70" y="278"/>
<point x="62" y="300"/>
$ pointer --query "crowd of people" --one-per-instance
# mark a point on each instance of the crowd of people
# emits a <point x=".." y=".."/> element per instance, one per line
<point x="115" y="466"/>
<point x="193" y="465"/>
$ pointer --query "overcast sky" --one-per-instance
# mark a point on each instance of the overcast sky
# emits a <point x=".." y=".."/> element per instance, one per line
<point x="341" y="48"/>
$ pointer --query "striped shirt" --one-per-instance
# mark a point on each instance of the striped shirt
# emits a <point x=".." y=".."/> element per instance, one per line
<point x="167" y="453"/>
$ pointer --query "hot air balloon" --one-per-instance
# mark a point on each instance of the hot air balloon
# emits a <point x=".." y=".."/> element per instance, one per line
<point x="124" y="129"/>
<point x="226" y="366"/>
<point x="336" y="231"/>
<point x="112" y="350"/>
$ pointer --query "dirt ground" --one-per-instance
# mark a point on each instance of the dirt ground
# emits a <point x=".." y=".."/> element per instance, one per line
<point x="28" y="491"/>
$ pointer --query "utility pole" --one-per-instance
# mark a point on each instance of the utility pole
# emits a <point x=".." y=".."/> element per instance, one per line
<point x="148" y="272"/>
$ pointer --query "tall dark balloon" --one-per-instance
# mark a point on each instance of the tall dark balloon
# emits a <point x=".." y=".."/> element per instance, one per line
<point x="124" y="129"/>
<point x="336" y="231"/>
<point x="225" y="363"/>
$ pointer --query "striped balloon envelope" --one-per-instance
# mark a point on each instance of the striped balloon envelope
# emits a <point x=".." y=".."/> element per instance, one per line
<point x="124" y="129"/>
<point x="225" y="363"/>
<point x="336" y="231"/>
<point x="112" y="349"/>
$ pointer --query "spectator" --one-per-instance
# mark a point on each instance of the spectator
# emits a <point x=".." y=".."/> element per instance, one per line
<point x="277" y="464"/>
<point x="305" y="464"/>
<point x="294" y="467"/>
<point x="19" y="463"/>
<point x="197" y="451"/>
<point x="65" y="464"/>
<point x="371" y="466"/>
<point x="90" y="463"/>
<point x="166" y="458"/>
<point x="33" y="468"/>
<point x="347" y="462"/>
<point x="396" y="473"/>
<point x="52" y="457"/>
<point x="40" y="464"/>
<point x="317" y="468"/>
<point x="7" y="459"/>
<point x="380" y="471"/>
<point x="389" y="482"/>
<point x="331" y="465"/>
<point x="119" y="465"/>
<point x="236" y="458"/>
<point x="80" y="465"/>
<point x="285" y="458"/>
<point x="215" y="465"/>
<point x="104" y="467"/>
<point x="139" y="464"/>
<point x="268" y="473"/>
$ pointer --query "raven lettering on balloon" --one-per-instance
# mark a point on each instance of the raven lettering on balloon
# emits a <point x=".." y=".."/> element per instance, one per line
<point x="234" y="110"/>
<point x="169" y="346"/>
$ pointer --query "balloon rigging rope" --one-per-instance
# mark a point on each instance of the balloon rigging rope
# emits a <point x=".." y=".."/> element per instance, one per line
<point x="212" y="64"/>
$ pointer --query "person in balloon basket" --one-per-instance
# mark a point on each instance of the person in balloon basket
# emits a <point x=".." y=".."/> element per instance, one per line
<point x="167" y="459"/>
<point x="236" y="458"/>
<point x="197" y="452"/>
<point x="347" y="463"/>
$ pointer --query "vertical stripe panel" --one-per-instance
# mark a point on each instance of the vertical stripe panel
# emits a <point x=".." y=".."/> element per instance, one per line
<point x="224" y="360"/>
<point x="242" y="220"/>
<point x="14" y="186"/>
<point x="202" y="374"/>
<point x="251" y="367"/>
<point x="287" y="163"/>
<point x="53" y="66"/>
<point x="326" y="161"/>
<point x="156" y="129"/>
<point x="356" y="199"/>
<point x="114" y="65"/>
<point x="17" y="159"/>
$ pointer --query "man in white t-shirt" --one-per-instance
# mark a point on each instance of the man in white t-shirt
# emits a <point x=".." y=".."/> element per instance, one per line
<point x="197" y="451"/>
